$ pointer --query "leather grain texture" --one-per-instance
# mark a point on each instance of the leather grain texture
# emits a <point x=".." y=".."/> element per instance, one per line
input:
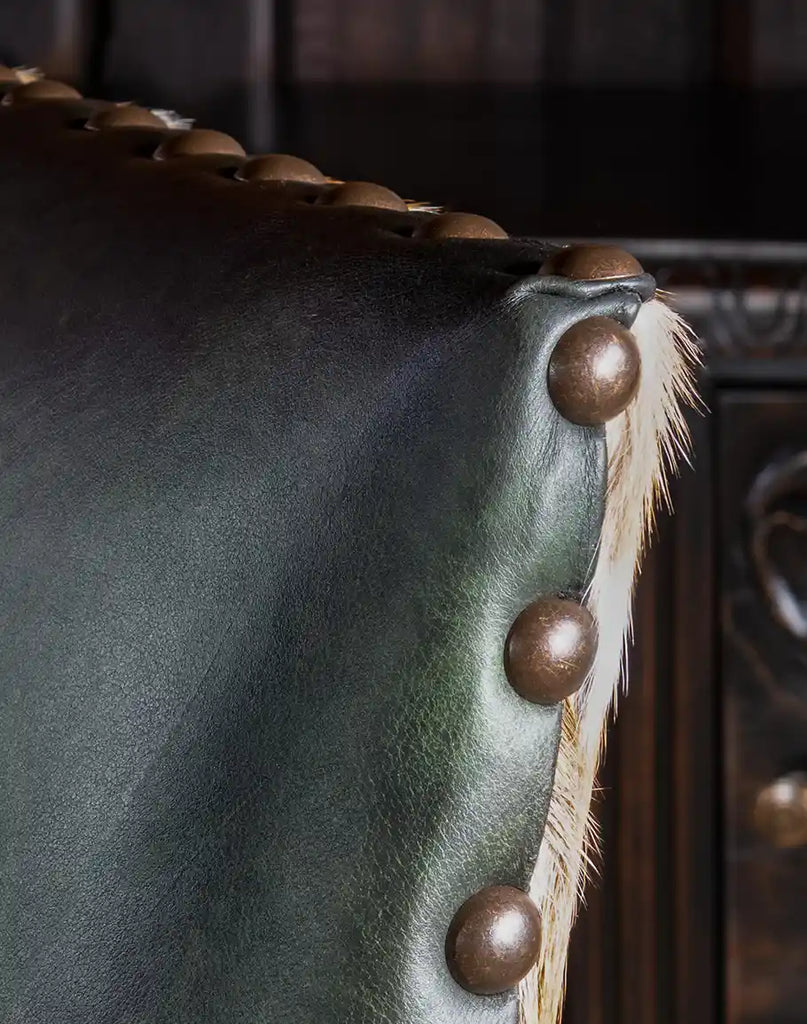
<point x="275" y="481"/>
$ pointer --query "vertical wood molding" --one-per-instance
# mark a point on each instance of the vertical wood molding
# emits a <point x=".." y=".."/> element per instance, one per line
<point x="646" y="950"/>
<point x="71" y="30"/>
<point x="593" y="963"/>
<point x="637" y="803"/>
<point x="614" y="955"/>
<point x="261" y="71"/>
<point x="695" y="742"/>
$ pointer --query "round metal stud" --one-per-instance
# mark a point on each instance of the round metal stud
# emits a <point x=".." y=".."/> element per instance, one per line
<point x="494" y="940"/>
<point x="124" y="115"/>
<point x="594" y="371"/>
<point x="460" y="225"/>
<point x="365" y="193"/>
<point x="550" y="650"/>
<point x="199" y="142"/>
<point x="41" y="89"/>
<point x="280" y="167"/>
<point x="592" y="263"/>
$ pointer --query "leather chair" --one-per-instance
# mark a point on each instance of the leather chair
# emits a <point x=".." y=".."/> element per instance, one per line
<point x="321" y="512"/>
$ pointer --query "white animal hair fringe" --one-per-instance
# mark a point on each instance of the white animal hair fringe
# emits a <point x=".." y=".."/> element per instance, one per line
<point x="645" y="445"/>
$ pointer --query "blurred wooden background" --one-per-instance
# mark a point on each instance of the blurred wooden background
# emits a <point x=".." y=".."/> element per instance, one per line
<point x="205" y="56"/>
<point x="215" y="44"/>
<point x="476" y="104"/>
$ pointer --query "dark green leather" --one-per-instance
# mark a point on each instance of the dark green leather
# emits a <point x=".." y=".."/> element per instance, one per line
<point x="275" y="481"/>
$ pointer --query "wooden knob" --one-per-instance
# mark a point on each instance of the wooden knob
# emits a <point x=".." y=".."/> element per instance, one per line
<point x="780" y="813"/>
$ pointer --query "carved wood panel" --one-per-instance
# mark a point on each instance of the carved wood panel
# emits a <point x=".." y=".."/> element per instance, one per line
<point x="763" y="517"/>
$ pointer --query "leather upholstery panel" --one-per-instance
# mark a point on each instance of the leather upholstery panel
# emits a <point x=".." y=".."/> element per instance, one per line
<point x="275" y="482"/>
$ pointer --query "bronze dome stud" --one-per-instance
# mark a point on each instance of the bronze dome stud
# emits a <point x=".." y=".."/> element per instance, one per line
<point x="460" y="225"/>
<point x="365" y="193"/>
<point x="592" y="263"/>
<point x="594" y="371"/>
<point x="280" y="167"/>
<point x="124" y="115"/>
<point x="550" y="650"/>
<point x="199" y="142"/>
<point x="493" y="940"/>
<point x="42" y="89"/>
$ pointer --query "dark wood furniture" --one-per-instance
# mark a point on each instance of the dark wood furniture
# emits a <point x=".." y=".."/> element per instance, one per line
<point x="701" y="911"/>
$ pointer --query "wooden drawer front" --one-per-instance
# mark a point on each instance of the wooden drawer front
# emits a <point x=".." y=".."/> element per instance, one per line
<point x="762" y="509"/>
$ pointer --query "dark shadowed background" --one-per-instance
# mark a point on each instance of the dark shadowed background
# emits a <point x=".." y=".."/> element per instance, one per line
<point x="556" y="116"/>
